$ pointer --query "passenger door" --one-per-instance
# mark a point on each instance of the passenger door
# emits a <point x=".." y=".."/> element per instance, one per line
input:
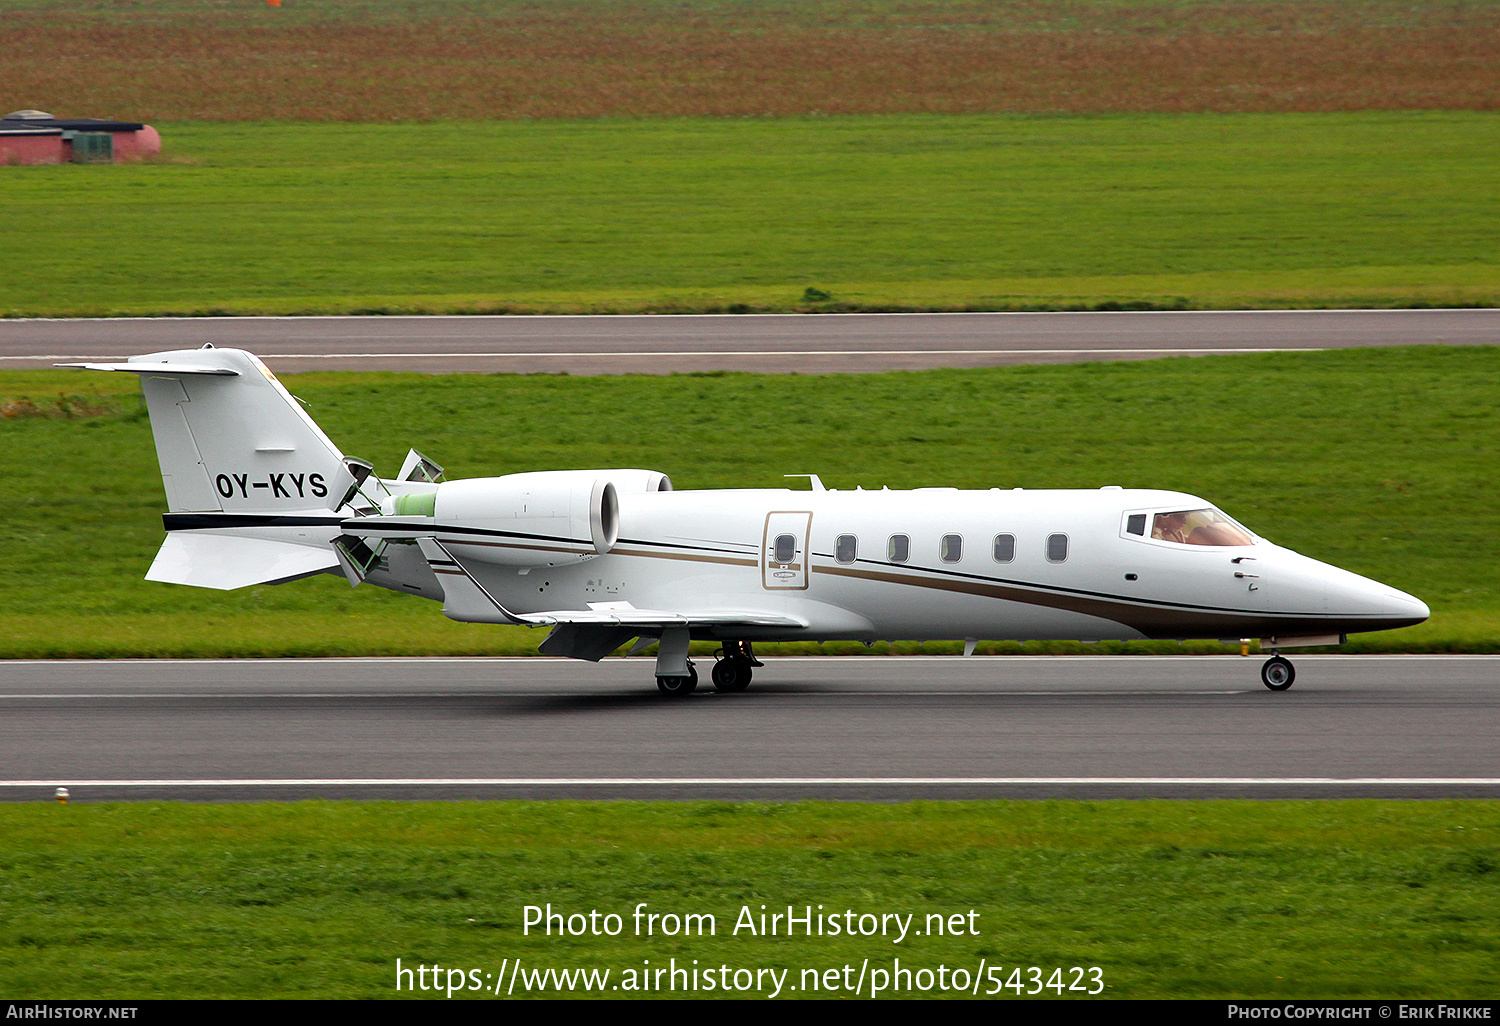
<point x="784" y="551"/>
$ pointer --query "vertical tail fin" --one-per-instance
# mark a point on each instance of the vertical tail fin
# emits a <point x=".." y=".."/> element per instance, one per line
<point x="253" y="485"/>
<point x="230" y="438"/>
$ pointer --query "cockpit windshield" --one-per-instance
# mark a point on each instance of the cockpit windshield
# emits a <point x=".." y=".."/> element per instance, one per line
<point x="1199" y="527"/>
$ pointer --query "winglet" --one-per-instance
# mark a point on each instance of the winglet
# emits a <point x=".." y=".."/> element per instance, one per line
<point x="464" y="598"/>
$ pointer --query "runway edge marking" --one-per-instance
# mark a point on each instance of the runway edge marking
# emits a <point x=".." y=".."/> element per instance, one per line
<point x="754" y="781"/>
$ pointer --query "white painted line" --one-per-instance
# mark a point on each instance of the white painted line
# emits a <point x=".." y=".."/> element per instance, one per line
<point x="768" y="352"/>
<point x="131" y="695"/>
<point x="833" y="692"/>
<point x="704" y="353"/>
<point x="830" y="660"/>
<point x="766" y="782"/>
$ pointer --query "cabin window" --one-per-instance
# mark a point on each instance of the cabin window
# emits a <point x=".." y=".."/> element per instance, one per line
<point x="1136" y="524"/>
<point x="1199" y="527"/>
<point x="1057" y="548"/>
<point x="846" y="548"/>
<point x="898" y="549"/>
<point x="952" y="548"/>
<point x="1005" y="548"/>
<point x="786" y="548"/>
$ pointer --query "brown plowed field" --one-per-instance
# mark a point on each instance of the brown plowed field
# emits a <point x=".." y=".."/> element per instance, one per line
<point x="379" y="61"/>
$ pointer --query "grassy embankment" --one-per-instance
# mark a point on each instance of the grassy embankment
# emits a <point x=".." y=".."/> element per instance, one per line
<point x="1380" y="461"/>
<point x="318" y="900"/>
<point x="875" y="213"/>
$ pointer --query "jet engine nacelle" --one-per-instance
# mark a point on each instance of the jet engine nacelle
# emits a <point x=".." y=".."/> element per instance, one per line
<point x="540" y="519"/>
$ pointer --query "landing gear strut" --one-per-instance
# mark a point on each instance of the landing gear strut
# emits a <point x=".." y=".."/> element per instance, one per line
<point x="678" y="686"/>
<point x="1277" y="673"/>
<point x="732" y="672"/>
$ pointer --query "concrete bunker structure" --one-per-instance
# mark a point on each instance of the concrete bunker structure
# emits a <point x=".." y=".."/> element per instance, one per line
<point x="36" y="137"/>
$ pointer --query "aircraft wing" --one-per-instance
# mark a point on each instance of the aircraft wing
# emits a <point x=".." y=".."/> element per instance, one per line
<point x="466" y="599"/>
<point x="595" y="632"/>
<point x="140" y="367"/>
<point x="623" y="614"/>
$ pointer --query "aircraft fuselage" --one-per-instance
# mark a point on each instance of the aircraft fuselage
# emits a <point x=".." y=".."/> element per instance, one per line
<point x="933" y="563"/>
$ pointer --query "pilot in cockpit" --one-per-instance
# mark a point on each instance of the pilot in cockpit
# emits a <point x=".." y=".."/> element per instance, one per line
<point x="1199" y="527"/>
<point x="1168" y="527"/>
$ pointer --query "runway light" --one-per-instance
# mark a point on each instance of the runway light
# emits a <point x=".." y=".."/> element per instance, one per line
<point x="62" y="795"/>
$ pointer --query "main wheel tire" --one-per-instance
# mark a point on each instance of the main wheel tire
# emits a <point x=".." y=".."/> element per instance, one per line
<point x="678" y="687"/>
<point x="731" y="675"/>
<point x="1278" y="673"/>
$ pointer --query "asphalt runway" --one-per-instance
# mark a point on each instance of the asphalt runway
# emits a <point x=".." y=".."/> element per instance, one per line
<point x="851" y="728"/>
<point x="804" y="343"/>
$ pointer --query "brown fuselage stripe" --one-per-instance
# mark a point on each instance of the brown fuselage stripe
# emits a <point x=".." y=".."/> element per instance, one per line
<point x="1150" y="621"/>
<point x="617" y="551"/>
<point x="688" y="557"/>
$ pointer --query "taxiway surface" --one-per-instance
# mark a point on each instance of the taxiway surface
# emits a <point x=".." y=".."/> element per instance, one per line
<point x="867" y="728"/>
<point x="804" y="343"/>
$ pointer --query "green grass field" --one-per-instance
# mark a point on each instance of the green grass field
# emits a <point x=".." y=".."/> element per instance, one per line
<point x="1380" y="461"/>
<point x="1212" y="899"/>
<point x="899" y="212"/>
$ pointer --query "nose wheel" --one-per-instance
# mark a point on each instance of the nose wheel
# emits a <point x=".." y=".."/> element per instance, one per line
<point x="1277" y="673"/>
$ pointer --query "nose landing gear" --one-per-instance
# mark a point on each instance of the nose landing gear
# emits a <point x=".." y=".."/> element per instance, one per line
<point x="1277" y="673"/>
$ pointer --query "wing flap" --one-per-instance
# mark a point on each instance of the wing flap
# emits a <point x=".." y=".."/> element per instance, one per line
<point x="633" y="617"/>
<point x="584" y="641"/>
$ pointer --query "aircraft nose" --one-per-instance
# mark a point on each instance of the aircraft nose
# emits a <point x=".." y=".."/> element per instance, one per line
<point x="1362" y="595"/>
<point x="1407" y="605"/>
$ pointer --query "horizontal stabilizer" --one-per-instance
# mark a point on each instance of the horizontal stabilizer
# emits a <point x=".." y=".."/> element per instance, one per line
<point x="226" y="561"/>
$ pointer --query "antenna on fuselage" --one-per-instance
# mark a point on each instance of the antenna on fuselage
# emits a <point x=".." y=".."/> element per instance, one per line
<point x="813" y="479"/>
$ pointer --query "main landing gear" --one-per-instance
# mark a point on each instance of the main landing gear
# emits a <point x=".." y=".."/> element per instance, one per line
<point x="733" y="670"/>
<point x="1277" y="673"/>
<point x="731" y="675"/>
<point x="678" y="686"/>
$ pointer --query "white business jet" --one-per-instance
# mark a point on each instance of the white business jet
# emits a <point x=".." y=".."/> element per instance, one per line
<point x="258" y="494"/>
